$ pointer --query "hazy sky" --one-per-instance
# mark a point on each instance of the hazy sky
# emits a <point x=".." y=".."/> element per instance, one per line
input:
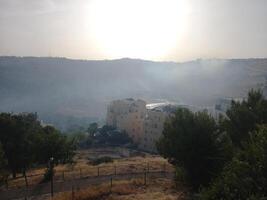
<point x="175" y="30"/>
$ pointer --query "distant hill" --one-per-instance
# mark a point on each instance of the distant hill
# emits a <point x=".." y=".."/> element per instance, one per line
<point x="63" y="91"/>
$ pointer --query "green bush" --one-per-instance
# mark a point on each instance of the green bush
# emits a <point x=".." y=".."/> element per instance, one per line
<point x="48" y="174"/>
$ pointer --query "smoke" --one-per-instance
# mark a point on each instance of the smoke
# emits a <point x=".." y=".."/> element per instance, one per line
<point x="62" y="87"/>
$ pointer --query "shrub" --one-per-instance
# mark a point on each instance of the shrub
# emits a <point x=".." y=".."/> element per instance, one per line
<point x="100" y="160"/>
<point x="48" y="174"/>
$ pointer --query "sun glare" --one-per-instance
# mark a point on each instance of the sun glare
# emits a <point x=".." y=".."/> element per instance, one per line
<point x="147" y="29"/>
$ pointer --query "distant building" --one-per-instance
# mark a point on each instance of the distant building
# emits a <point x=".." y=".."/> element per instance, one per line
<point x="154" y="124"/>
<point x="128" y="115"/>
<point x="43" y="124"/>
<point x="144" y="123"/>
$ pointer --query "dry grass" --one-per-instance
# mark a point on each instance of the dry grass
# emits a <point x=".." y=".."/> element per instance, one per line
<point x="81" y="167"/>
<point x="158" y="189"/>
<point x="134" y="189"/>
<point x="102" y="191"/>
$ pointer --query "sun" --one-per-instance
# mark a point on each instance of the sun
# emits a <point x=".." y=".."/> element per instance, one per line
<point x="147" y="29"/>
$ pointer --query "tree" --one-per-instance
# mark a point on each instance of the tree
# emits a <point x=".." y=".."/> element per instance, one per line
<point x="191" y="141"/>
<point x="92" y="129"/>
<point x="25" y="142"/>
<point x="78" y="138"/>
<point x="117" y="137"/>
<point x="245" y="177"/>
<point x="243" y="117"/>
<point x="17" y="134"/>
<point x="54" y="144"/>
<point x="3" y="165"/>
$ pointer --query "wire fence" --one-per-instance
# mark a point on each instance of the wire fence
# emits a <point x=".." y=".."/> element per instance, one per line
<point x="67" y="180"/>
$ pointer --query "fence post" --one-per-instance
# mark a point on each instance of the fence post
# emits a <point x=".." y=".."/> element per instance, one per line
<point x="52" y="184"/>
<point x="26" y="184"/>
<point x="51" y="168"/>
<point x="26" y="180"/>
<point x="6" y="183"/>
<point x="72" y="193"/>
<point x="26" y="193"/>
<point x="115" y="170"/>
<point x="63" y="176"/>
<point x="147" y="167"/>
<point x="145" y="178"/>
<point x="110" y="184"/>
<point x="164" y="169"/>
<point x="26" y="189"/>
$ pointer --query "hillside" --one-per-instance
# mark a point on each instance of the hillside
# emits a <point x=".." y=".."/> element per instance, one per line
<point x="63" y="90"/>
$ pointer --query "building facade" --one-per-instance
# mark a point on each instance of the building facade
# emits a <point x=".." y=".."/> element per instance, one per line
<point x="144" y="123"/>
<point x="153" y="126"/>
<point x="128" y="115"/>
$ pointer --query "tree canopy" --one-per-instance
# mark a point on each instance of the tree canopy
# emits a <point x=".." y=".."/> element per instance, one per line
<point x="245" y="177"/>
<point x="191" y="141"/>
<point x="244" y="116"/>
<point x="226" y="158"/>
<point x="25" y="142"/>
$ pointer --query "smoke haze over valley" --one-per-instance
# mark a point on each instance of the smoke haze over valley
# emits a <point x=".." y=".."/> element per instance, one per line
<point x="61" y="90"/>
